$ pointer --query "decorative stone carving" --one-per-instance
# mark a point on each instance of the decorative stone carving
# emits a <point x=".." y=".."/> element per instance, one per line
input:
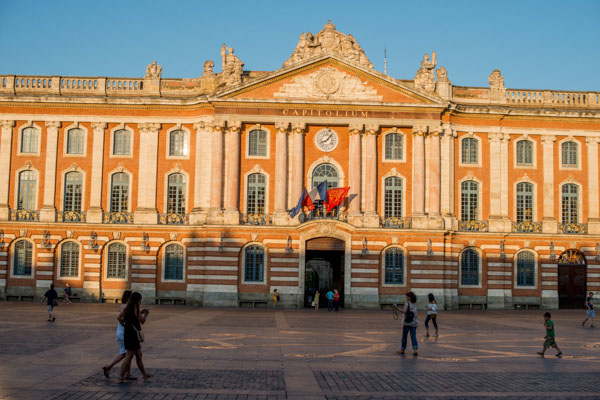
<point x="355" y="128"/>
<point x="442" y="75"/>
<point x="148" y="127"/>
<point x="153" y="71"/>
<point x="425" y="78"/>
<point x="52" y="124"/>
<point x="173" y="236"/>
<point x="326" y="229"/>
<point x="232" y="66"/>
<point x="116" y="235"/>
<point x="22" y="232"/>
<point x="328" y="41"/>
<point x="70" y="234"/>
<point x="234" y="126"/>
<point x="298" y="127"/>
<point x="496" y="79"/>
<point x="208" y="68"/>
<point x="282" y="127"/>
<point x="328" y="83"/>
<point x="7" y="124"/>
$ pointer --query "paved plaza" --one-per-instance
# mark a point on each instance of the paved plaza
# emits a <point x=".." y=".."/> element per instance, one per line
<point x="210" y="353"/>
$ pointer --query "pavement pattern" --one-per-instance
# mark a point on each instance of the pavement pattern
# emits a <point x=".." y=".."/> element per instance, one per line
<point x="229" y="353"/>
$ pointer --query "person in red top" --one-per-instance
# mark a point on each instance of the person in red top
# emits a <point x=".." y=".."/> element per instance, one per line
<point x="336" y="300"/>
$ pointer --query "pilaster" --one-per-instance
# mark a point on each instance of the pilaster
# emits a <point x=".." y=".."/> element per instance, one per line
<point x="447" y="179"/>
<point x="5" y="158"/>
<point x="146" y="212"/>
<point x="48" y="211"/>
<point x="549" y="224"/>
<point x="298" y="131"/>
<point x="593" y="211"/>
<point x="419" y="221"/>
<point x="215" y="213"/>
<point x="232" y="149"/>
<point x="354" y="174"/>
<point x="94" y="212"/>
<point x="498" y="220"/>
<point x="434" y="183"/>
<point x="370" y="218"/>
<point x="202" y="166"/>
<point x="280" y="215"/>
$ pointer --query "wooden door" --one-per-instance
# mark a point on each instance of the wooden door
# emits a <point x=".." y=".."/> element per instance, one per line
<point x="571" y="286"/>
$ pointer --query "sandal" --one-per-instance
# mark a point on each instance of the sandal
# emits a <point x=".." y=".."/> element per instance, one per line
<point x="147" y="376"/>
<point x="106" y="372"/>
<point x="559" y="355"/>
<point x="400" y="352"/>
<point x="540" y="353"/>
<point x="124" y="381"/>
<point x="131" y="378"/>
<point x="415" y="354"/>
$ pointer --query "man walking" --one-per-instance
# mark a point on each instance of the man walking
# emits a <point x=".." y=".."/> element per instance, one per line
<point x="51" y="301"/>
<point x="329" y="296"/>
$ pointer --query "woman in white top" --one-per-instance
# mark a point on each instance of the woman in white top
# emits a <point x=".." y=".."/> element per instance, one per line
<point x="431" y="315"/>
<point x="120" y="336"/>
<point x="410" y="323"/>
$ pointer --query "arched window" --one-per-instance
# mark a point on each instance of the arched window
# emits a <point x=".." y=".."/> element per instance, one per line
<point x="525" y="269"/>
<point x="69" y="260"/>
<point x="73" y="189"/>
<point x="469" y="268"/>
<point x="75" y="141"/>
<point x="257" y="186"/>
<point x="254" y="264"/>
<point x="393" y="197"/>
<point x="257" y="143"/>
<point x="325" y="172"/>
<point x="570" y="202"/>
<point x="174" y="262"/>
<point x="178" y="143"/>
<point x="569" y="154"/>
<point x="176" y="194"/>
<point x="394" y="266"/>
<point x="30" y="138"/>
<point x="524" y="202"/>
<point x="524" y="153"/>
<point x="393" y="146"/>
<point x="116" y="266"/>
<point x="469" y="196"/>
<point x="23" y="257"/>
<point x="27" y="189"/>
<point x="469" y="150"/>
<point x="122" y="142"/>
<point x="119" y="192"/>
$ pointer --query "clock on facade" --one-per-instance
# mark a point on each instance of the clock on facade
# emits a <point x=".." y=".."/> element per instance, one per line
<point x="326" y="140"/>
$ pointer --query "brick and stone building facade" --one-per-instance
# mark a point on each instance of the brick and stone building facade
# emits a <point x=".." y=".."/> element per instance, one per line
<point x="180" y="188"/>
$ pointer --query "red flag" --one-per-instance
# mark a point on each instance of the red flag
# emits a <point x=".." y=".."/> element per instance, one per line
<point x="335" y="197"/>
<point x="307" y="202"/>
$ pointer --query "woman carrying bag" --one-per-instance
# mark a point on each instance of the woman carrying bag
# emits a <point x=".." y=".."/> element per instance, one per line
<point x="409" y="324"/>
<point x="132" y="319"/>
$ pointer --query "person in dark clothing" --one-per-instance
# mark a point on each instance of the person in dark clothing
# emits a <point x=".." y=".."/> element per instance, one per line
<point x="336" y="300"/>
<point x="67" y="296"/>
<point x="132" y="319"/>
<point x="51" y="298"/>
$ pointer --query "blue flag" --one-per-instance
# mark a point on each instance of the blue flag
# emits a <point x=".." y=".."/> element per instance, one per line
<point x="294" y="211"/>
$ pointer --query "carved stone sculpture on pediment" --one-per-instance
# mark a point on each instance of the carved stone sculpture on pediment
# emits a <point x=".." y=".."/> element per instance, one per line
<point x="233" y="67"/>
<point x="208" y="68"/>
<point x="496" y="79"/>
<point x="153" y="71"/>
<point x="425" y="79"/>
<point x="442" y="75"/>
<point x="328" y="41"/>
<point x="328" y="83"/>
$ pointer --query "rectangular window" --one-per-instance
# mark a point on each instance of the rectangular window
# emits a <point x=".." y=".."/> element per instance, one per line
<point x="27" y="188"/>
<point x="257" y="143"/>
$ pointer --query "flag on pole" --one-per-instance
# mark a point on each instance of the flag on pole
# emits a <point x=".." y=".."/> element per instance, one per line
<point x="319" y="192"/>
<point x="335" y="197"/>
<point x="294" y="211"/>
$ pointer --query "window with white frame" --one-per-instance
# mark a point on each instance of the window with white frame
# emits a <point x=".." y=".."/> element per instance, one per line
<point x="469" y="195"/>
<point x="524" y="153"/>
<point x="254" y="263"/>
<point x="69" y="260"/>
<point x="178" y="146"/>
<point x="174" y="262"/>
<point x="73" y="190"/>
<point x="116" y="264"/>
<point x="394" y="146"/>
<point x="525" y="269"/>
<point x="176" y="194"/>
<point x="469" y="268"/>
<point x="30" y="138"/>
<point x="122" y="142"/>
<point x="569" y="154"/>
<point x="394" y="266"/>
<point x="325" y="172"/>
<point x="119" y="192"/>
<point x="257" y="187"/>
<point x="470" y="150"/>
<point x="257" y="143"/>
<point x="393" y="197"/>
<point x="27" y="190"/>
<point x="75" y="141"/>
<point x="570" y="203"/>
<point x="23" y="258"/>
<point x="524" y="202"/>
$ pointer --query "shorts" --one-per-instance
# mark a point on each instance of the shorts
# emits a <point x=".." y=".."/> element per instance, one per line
<point x="50" y="308"/>
<point x="121" y="343"/>
<point x="549" y="342"/>
<point x="590" y="313"/>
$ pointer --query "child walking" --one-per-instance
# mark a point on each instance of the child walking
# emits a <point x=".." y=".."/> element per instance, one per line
<point x="431" y="315"/>
<point x="549" y="338"/>
<point x="589" y="310"/>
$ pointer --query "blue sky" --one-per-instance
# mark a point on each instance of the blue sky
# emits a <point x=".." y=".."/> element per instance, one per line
<point x="537" y="44"/>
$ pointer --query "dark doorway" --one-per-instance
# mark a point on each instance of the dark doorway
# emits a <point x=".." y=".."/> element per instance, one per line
<point x="571" y="279"/>
<point x="324" y="269"/>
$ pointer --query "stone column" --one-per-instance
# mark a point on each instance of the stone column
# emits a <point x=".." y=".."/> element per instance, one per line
<point x="418" y="207"/>
<point x="504" y="189"/>
<point x="592" y="189"/>
<point x="298" y="129"/>
<point x="434" y="172"/>
<point x="354" y="174"/>
<point x="447" y="179"/>
<point x="94" y="212"/>
<point x="549" y="224"/>
<point x="280" y="215"/>
<point x="202" y="159"/>
<point x="146" y="212"/>
<point x="215" y="212"/>
<point x="232" y="160"/>
<point x="5" y="158"/>
<point x="371" y="219"/>
<point x="48" y="211"/>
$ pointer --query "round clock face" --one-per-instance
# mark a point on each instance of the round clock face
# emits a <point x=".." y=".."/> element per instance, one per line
<point x="326" y="140"/>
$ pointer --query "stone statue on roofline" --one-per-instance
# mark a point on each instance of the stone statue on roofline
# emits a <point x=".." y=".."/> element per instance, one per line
<point x="153" y="71"/>
<point x="425" y="79"/>
<point x="208" y="68"/>
<point x="233" y="67"/>
<point x="496" y="79"/>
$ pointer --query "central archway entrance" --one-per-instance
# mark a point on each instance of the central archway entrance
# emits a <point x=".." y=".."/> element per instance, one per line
<point x="324" y="269"/>
<point x="571" y="279"/>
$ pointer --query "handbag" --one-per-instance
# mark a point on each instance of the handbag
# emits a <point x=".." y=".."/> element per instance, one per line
<point x="140" y="335"/>
<point x="409" y="316"/>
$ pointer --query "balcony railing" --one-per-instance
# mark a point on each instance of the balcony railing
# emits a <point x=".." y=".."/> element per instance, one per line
<point x="320" y="212"/>
<point x="173" y="219"/>
<point x="117" y="218"/>
<point x="527" y="227"/>
<point x="24" y="215"/>
<point x="255" y="219"/>
<point x="396" y="222"/>
<point x="70" y="216"/>
<point x="473" y="226"/>
<point x="573" y="228"/>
